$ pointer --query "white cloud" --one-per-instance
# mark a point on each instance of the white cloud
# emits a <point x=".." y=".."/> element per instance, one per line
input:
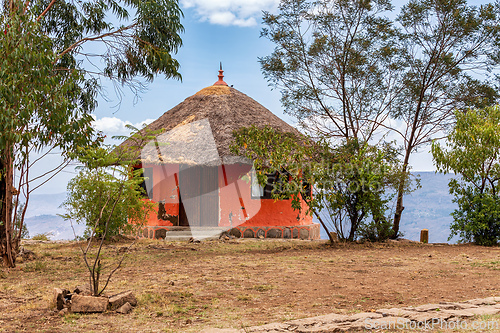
<point x="242" y="13"/>
<point x="116" y="126"/>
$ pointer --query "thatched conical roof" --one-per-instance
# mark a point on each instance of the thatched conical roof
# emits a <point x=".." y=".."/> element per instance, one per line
<point x="203" y="124"/>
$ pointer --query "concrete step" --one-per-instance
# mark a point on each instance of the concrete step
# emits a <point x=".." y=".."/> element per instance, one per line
<point x="179" y="233"/>
<point x="196" y="233"/>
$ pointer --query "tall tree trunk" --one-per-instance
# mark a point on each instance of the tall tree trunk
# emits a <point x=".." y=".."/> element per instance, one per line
<point x="3" y="238"/>
<point x="402" y="183"/>
<point x="399" y="202"/>
<point x="8" y="245"/>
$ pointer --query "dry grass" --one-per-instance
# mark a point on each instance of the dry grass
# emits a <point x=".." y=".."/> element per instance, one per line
<point x="184" y="287"/>
<point x="214" y="90"/>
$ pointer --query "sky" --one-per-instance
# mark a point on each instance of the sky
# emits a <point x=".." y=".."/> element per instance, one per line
<point x="226" y="31"/>
<point x="216" y="31"/>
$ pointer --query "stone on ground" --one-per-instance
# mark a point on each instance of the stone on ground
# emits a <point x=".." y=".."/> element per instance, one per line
<point x="88" y="304"/>
<point x="365" y="315"/>
<point x="63" y="312"/>
<point x="83" y="290"/>
<point x="483" y="301"/>
<point x="382" y="319"/>
<point x="125" y="308"/>
<point x="58" y="297"/>
<point x="118" y="300"/>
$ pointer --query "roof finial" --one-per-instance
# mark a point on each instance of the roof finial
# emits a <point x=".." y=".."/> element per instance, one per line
<point x="221" y="76"/>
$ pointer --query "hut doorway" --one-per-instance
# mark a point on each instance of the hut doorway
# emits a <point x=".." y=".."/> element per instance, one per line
<point x="199" y="196"/>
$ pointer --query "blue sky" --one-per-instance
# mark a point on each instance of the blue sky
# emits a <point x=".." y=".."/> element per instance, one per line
<point x="211" y="36"/>
<point x="216" y="31"/>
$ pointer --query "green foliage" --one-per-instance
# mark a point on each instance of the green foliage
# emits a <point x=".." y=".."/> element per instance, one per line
<point x="141" y="44"/>
<point x="472" y="151"/>
<point x="442" y="40"/>
<point x="449" y="50"/>
<point x="46" y="91"/>
<point x="350" y="181"/>
<point x="39" y="104"/>
<point x="40" y="108"/>
<point x="106" y="195"/>
<point x="477" y="218"/>
<point x="376" y="230"/>
<point x="345" y="70"/>
<point x="42" y="237"/>
<point x="275" y="151"/>
<point x="357" y="187"/>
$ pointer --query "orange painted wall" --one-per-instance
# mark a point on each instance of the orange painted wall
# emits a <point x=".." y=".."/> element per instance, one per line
<point x="256" y="212"/>
<point x="260" y="212"/>
<point x="165" y="180"/>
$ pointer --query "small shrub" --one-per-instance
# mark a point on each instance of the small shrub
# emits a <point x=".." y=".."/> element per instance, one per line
<point x="376" y="231"/>
<point x="472" y="152"/>
<point x="42" y="237"/>
<point x="477" y="218"/>
<point x="104" y="196"/>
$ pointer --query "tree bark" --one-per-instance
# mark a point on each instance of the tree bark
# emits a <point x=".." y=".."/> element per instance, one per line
<point x="409" y="148"/>
<point x="399" y="206"/>
<point x="8" y="245"/>
<point x="3" y="238"/>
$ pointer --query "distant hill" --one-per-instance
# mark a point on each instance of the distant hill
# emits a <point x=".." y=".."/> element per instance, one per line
<point x="427" y="208"/>
<point x="55" y="226"/>
<point x="41" y="217"/>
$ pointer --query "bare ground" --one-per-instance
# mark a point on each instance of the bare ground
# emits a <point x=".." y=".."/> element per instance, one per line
<point x="184" y="287"/>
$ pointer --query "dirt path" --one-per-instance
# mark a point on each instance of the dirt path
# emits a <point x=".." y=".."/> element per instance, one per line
<point x="185" y="287"/>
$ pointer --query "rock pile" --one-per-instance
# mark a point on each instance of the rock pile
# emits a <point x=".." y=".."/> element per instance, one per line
<point x="446" y="315"/>
<point x="81" y="301"/>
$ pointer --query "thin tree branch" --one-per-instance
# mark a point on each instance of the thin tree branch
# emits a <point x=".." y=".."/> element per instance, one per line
<point x="46" y="10"/>
<point x="81" y="41"/>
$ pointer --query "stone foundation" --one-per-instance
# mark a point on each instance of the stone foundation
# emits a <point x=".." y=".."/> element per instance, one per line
<point x="311" y="231"/>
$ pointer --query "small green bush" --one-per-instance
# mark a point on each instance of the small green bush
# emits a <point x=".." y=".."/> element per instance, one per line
<point x="376" y="231"/>
<point x="104" y="194"/>
<point x="473" y="151"/>
<point x="42" y="237"/>
<point x="477" y="218"/>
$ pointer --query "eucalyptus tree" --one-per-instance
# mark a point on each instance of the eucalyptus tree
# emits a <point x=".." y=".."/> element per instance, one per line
<point x="338" y="66"/>
<point x="334" y="63"/>
<point x="345" y="71"/>
<point x="451" y="51"/>
<point x="49" y="79"/>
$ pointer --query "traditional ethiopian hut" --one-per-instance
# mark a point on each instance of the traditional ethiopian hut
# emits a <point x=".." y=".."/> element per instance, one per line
<point x="199" y="185"/>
